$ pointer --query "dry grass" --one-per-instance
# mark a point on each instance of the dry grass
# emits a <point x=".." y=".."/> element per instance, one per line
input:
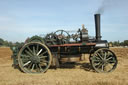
<point x="63" y="76"/>
<point x="120" y="52"/>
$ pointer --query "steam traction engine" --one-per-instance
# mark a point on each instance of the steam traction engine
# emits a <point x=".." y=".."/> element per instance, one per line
<point x="38" y="53"/>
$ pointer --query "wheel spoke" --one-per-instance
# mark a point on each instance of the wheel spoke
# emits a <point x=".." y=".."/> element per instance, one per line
<point x="37" y="68"/>
<point x="27" y="63"/>
<point x="102" y="68"/>
<point x="30" y="65"/>
<point x="29" y="50"/>
<point x="43" y="57"/>
<point x="28" y="53"/>
<point x="44" y="61"/>
<point x="37" y="47"/>
<point x="33" y="67"/>
<point x="34" y="51"/>
<point x="99" y="65"/>
<point x="99" y="55"/>
<point x="109" y="58"/>
<point x="43" y="64"/>
<point x="102" y="53"/>
<point x="97" y="60"/>
<point x="111" y="61"/>
<point x="39" y="52"/>
<point x="105" y="55"/>
<point x="25" y="56"/>
<point x="43" y="53"/>
<point x="25" y="60"/>
<point x="40" y="67"/>
<point x="96" y="64"/>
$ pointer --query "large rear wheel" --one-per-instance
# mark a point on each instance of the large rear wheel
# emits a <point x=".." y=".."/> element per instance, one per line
<point x="34" y="57"/>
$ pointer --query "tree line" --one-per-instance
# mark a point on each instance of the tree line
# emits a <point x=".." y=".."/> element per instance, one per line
<point x="6" y="43"/>
<point x="9" y="43"/>
<point x="118" y="43"/>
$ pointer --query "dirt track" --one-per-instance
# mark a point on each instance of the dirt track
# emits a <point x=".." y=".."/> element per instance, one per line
<point x="64" y="76"/>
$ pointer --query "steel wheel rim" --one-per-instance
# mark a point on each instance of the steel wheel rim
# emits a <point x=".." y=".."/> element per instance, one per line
<point x="104" y="61"/>
<point x="34" y="58"/>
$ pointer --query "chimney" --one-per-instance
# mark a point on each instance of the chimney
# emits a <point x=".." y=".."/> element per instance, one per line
<point x="97" y="27"/>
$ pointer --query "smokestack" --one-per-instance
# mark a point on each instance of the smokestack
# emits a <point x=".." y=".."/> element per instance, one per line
<point x="97" y="27"/>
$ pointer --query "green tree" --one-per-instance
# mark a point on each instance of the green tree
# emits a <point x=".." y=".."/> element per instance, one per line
<point x="122" y="43"/>
<point x="5" y="43"/>
<point x="116" y="43"/>
<point x="1" y="42"/>
<point x="126" y="42"/>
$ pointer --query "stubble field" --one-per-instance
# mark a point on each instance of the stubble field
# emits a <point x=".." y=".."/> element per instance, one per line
<point x="64" y="76"/>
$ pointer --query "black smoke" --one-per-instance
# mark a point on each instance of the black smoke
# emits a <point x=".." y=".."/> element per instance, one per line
<point x="112" y="5"/>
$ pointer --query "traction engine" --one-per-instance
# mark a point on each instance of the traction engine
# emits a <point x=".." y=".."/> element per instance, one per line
<point x="39" y="53"/>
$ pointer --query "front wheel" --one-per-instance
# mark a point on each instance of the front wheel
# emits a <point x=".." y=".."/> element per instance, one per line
<point x="103" y="60"/>
<point x="34" y="57"/>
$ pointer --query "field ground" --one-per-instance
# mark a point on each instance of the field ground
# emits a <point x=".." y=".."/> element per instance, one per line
<point x="64" y="76"/>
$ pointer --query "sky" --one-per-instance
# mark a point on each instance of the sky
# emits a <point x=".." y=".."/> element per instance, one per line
<point x="20" y="19"/>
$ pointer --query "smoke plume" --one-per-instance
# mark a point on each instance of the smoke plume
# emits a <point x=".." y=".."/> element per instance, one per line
<point x="112" y="5"/>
